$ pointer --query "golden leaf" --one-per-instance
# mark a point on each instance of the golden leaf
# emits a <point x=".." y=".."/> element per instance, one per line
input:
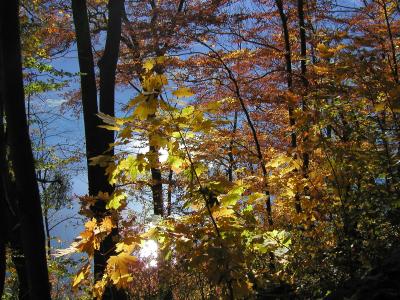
<point x="183" y="92"/>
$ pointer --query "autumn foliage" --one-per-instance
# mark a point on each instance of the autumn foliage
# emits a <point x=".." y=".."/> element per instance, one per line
<point x="256" y="147"/>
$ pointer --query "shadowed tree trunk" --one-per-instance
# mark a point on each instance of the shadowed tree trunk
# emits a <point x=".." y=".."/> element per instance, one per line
<point x="289" y="82"/>
<point x="3" y="230"/>
<point x="10" y="227"/>
<point x="3" y="235"/>
<point x="303" y="69"/>
<point x="98" y="139"/>
<point x="27" y="192"/>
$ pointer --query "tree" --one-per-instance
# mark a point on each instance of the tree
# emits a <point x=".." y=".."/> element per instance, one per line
<point x="98" y="182"/>
<point x="269" y="130"/>
<point x="21" y="154"/>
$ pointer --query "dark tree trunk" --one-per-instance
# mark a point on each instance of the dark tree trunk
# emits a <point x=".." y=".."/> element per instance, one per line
<point x="3" y="168"/>
<point x="303" y="69"/>
<point x="108" y="67"/>
<point x="231" y="157"/>
<point x="289" y="82"/>
<point x="47" y="230"/>
<point x="3" y="240"/>
<point x="33" y="239"/>
<point x="169" y="194"/>
<point x="10" y="227"/>
<point x="156" y="184"/>
<point x="98" y="139"/>
<point x="88" y="93"/>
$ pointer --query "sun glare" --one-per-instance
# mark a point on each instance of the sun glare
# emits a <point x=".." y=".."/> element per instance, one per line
<point x="149" y="252"/>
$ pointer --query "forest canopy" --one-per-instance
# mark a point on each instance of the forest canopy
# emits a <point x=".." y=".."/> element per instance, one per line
<point x="230" y="149"/>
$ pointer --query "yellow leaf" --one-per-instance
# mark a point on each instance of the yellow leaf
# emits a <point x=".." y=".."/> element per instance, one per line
<point x="148" y="65"/>
<point x="324" y="51"/>
<point x="380" y="107"/>
<point x="118" y="268"/>
<point x="116" y="200"/>
<point x="145" y="109"/>
<point x="175" y="163"/>
<point x="223" y="212"/>
<point x="98" y="288"/>
<point x="154" y="83"/>
<point x="127" y="245"/>
<point x="110" y="127"/>
<point x="278" y="161"/>
<point x="255" y="197"/>
<point x="138" y="99"/>
<point x="82" y="274"/>
<point x="183" y="92"/>
<point x="161" y="59"/>
<point x="187" y="111"/>
<point x="107" y="224"/>
<point x="321" y="70"/>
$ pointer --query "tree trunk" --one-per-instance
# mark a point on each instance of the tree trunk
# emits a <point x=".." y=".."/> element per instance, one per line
<point x="10" y="227"/>
<point x="33" y="239"/>
<point x="108" y="67"/>
<point x="3" y="167"/>
<point x="3" y="235"/>
<point x="94" y="144"/>
<point x="156" y="184"/>
<point x="303" y="69"/>
<point x="289" y="82"/>
<point x="169" y="193"/>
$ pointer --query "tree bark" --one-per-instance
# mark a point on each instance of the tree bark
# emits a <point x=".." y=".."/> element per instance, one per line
<point x="33" y="239"/>
<point x="169" y="193"/>
<point x="88" y="92"/>
<point x="3" y="167"/>
<point x="289" y="82"/>
<point x="3" y="234"/>
<point x="108" y="67"/>
<point x="94" y="144"/>
<point x="10" y="225"/>
<point x="303" y="70"/>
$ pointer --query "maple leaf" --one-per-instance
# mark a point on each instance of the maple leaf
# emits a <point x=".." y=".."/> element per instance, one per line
<point x="183" y="92"/>
<point x="116" y="200"/>
<point x="118" y="268"/>
<point x="81" y="275"/>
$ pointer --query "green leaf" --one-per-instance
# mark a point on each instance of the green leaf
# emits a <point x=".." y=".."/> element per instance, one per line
<point x="115" y="200"/>
<point x="187" y="111"/>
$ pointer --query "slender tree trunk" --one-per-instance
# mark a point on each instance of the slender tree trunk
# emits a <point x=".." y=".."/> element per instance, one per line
<point x="169" y="193"/>
<point x="3" y="168"/>
<point x="47" y="230"/>
<point x="156" y="185"/>
<point x="33" y="238"/>
<point x="88" y="92"/>
<point x="289" y="82"/>
<point x="303" y="69"/>
<point x="392" y="44"/>
<point x="230" y="153"/>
